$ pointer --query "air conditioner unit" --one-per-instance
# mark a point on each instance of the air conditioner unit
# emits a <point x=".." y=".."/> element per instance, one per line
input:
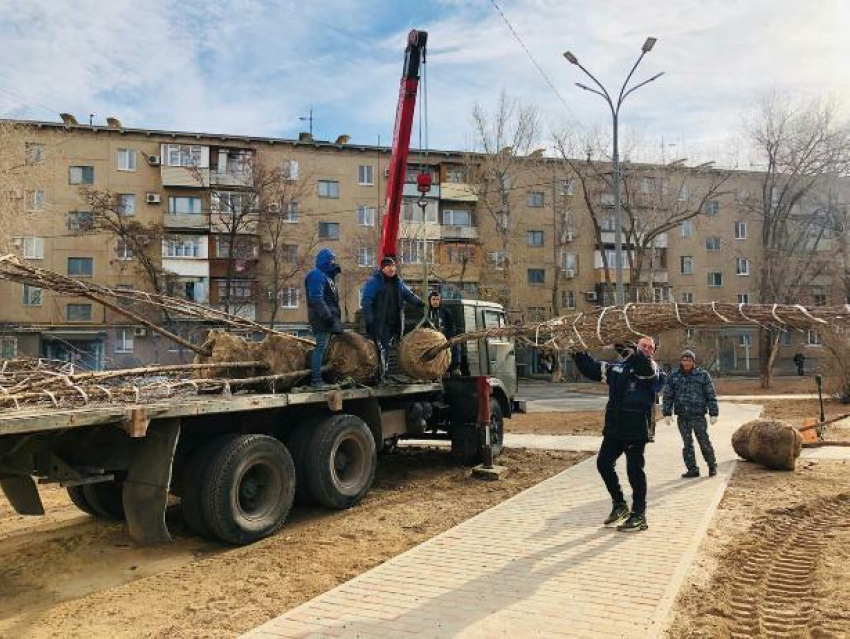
<point x="140" y="332"/>
<point x="591" y="296"/>
<point x="386" y="173"/>
<point x="153" y="160"/>
<point x="274" y="207"/>
<point x="153" y="198"/>
<point x="569" y="273"/>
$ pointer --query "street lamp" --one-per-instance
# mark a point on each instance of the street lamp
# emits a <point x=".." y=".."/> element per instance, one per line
<point x="615" y="116"/>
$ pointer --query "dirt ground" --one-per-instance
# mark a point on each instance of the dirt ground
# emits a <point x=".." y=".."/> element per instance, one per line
<point x="774" y="562"/>
<point x="67" y="575"/>
<point x="578" y="423"/>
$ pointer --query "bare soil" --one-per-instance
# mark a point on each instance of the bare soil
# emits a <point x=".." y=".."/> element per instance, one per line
<point x="68" y="575"/>
<point x="575" y="423"/>
<point x="774" y="562"/>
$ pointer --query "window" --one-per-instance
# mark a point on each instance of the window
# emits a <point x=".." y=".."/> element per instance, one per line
<point x="745" y="341"/>
<point x="227" y="204"/>
<point x="740" y="230"/>
<point x="688" y="228"/>
<point x="290" y="211"/>
<point x="236" y="163"/>
<point x="712" y="243"/>
<point x="608" y="224"/>
<point x="416" y="251"/>
<point x="743" y="298"/>
<point x="689" y="336"/>
<point x="289" y="297"/>
<point x="536" y="276"/>
<point x="456" y="174"/>
<point x="127" y="204"/>
<point x="124" y="340"/>
<point x="365" y="174"/>
<point x="78" y="312"/>
<point x="366" y="215"/>
<point x="819" y="298"/>
<point x="79" y="221"/>
<point x="239" y="289"/>
<point x="787" y="339"/>
<point x="126" y="159"/>
<point x="32" y="248"/>
<point x="715" y="279"/>
<point x="498" y="259"/>
<point x="412" y="212"/>
<point x="660" y="294"/>
<point x="646" y="185"/>
<point x="684" y="193"/>
<point x="457" y="217"/>
<point x="365" y="256"/>
<point x="35" y="200"/>
<point x="742" y="266"/>
<point x="34" y="153"/>
<point x="178" y="205"/>
<point x="535" y="238"/>
<point x="712" y="207"/>
<point x="328" y="188"/>
<point x="8" y="347"/>
<point x="181" y="248"/>
<point x="81" y="175"/>
<point x="290" y="169"/>
<point x="568" y="188"/>
<point x="536" y="199"/>
<point x="123" y="251"/>
<point x="244" y="248"/>
<point x="568" y="300"/>
<point x="459" y="253"/>
<point x="289" y="254"/>
<point x="188" y="155"/>
<point x="686" y="264"/>
<point x="329" y="230"/>
<point x="569" y="261"/>
<point x="687" y="297"/>
<point x="81" y="266"/>
<point x="31" y="296"/>
<point x="813" y="338"/>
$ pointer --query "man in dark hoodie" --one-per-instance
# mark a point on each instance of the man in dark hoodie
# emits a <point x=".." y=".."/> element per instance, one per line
<point x="443" y="320"/>
<point x="322" y="309"/>
<point x="384" y="297"/>
<point x="690" y="394"/>
<point x="632" y="386"/>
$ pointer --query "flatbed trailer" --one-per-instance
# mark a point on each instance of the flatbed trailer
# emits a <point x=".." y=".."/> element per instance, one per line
<point x="236" y="462"/>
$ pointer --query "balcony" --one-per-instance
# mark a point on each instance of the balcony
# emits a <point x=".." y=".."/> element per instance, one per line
<point x="237" y="179"/>
<point x="196" y="177"/>
<point x="410" y="191"/>
<point x="459" y="232"/>
<point x="186" y="221"/>
<point x="457" y="192"/>
<point x="420" y="230"/>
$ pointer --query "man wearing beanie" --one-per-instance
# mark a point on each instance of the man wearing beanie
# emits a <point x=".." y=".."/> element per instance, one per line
<point x="383" y="308"/>
<point x="690" y="395"/>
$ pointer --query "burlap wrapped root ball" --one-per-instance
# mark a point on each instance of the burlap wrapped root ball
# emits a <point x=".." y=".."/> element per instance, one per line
<point x="352" y="356"/>
<point x="227" y="347"/>
<point x="771" y="443"/>
<point x="283" y="354"/>
<point x="414" y="345"/>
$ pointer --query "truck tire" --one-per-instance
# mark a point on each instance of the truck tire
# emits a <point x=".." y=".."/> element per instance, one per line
<point x="105" y="499"/>
<point x="248" y="489"/>
<point x="191" y="482"/>
<point x="467" y="441"/>
<point x="78" y="497"/>
<point x="341" y="461"/>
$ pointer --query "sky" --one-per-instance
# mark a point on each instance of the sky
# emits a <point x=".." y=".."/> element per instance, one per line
<point x="254" y="67"/>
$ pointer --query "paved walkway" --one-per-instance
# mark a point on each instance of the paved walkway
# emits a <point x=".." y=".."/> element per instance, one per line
<point x="537" y="565"/>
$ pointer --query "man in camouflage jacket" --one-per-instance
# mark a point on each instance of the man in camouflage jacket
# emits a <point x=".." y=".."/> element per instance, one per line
<point x="690" y="394"/>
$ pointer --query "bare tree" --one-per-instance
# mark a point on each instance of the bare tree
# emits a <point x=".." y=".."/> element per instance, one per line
<point x="803" y="148"/>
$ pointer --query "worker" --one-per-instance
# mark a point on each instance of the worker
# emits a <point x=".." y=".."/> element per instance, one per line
<point x="690" y="395"/>
<point x="800" y="361"/>
<point x="384" y="297"/>
<point x="443" y="320"/>
<point x="322" y="310"/>
<point x="632" y="384"/>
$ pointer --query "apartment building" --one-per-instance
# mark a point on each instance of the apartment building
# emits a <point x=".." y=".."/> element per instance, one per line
<point x="539" y="251"/>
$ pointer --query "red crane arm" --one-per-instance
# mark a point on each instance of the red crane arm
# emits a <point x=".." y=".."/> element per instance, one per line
<point x="413" y="56"/>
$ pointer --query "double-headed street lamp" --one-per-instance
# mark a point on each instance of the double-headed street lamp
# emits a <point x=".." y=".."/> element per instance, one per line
<point x="625" y="91"/>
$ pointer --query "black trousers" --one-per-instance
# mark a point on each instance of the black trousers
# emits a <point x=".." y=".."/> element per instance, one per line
<point x="609" y="453"/>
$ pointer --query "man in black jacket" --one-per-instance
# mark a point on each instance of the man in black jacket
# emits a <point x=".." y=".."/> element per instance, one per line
<point x="443" y="320"/>
<point x="322" y="310"/>
<point x="632" y="387"/>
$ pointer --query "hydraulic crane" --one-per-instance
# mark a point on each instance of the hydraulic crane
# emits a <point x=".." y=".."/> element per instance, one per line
<point x="414" y="57"/>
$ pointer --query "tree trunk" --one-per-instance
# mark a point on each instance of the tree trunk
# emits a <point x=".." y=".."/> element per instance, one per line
<point x="769" y="350"/>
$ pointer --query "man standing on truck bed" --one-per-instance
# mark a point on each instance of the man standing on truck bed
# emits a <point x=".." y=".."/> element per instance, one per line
<point x="322" y="310"/>
<point x="443" y="320"/>
<point x="632" y="386"/>
<point x="383" y="308"/>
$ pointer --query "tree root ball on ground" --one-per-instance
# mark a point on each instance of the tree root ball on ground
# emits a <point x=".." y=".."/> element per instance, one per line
<point x="414" y="345"/>
<point x="771" y="443"/>
<point x="227" y="347"/>
<point x="283" y="355"/>
<point x="351" y="355"/>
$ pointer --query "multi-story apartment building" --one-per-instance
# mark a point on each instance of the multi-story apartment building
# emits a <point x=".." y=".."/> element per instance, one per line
<point x="539" y="252"/>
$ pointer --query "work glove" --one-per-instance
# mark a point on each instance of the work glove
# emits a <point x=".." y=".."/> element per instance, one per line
<point x="668" y="420"/>
<point x="713" y="419"/>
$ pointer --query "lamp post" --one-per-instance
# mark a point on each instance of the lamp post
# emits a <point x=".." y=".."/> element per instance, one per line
<point x="620" y="297"/>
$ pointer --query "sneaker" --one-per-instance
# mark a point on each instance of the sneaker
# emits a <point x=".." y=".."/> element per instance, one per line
<point x="712" y="471"/>
<point x="634" y="523"/>
<point x="691" y="473"/>
<point x="619" y="514"/>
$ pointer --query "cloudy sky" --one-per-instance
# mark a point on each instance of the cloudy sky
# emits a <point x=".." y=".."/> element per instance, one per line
<point x="255" y="66"/>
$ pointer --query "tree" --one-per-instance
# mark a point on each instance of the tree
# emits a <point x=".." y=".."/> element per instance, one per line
<point x="804" y="149"/>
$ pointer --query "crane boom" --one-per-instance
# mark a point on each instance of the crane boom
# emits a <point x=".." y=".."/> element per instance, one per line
<point x="414" y="55"/>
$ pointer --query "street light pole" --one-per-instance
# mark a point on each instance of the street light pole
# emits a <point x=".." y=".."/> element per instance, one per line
<point x="620" y="297"/>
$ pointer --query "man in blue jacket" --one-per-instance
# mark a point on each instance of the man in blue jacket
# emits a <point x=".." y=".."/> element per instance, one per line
<point x="384" y="297"/>
<point x="632" y="386"/>
<point x="322" y="310"/>
<point x="690" y="394"/>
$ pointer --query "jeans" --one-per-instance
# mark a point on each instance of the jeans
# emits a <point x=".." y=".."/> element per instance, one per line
<point x="318" y="357"/>
<point x="609" y="452"/>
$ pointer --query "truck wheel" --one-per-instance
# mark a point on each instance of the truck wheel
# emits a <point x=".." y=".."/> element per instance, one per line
<point x="78" y="497"/>
<point x="341" y="461"/>
<point x="105" y="499"/>
<point x="191" y="482"/>
<point x="467" y="440"/>
<point x="248" y="489"/>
